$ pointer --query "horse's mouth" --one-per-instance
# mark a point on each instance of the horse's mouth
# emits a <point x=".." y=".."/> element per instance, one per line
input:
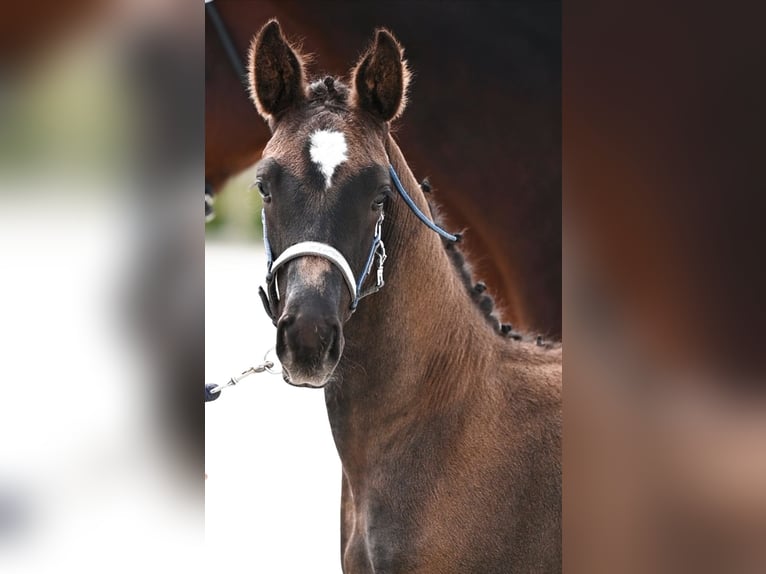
<point x="308" y="383"/>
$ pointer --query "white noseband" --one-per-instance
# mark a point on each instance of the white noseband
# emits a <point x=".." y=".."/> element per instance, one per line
<point x="319" y="250"/>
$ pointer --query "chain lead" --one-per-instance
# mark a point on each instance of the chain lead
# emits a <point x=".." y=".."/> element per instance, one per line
<point x="212" y="392"/>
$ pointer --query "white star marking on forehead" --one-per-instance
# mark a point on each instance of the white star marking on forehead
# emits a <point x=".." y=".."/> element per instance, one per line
<point x="328" y="150"/>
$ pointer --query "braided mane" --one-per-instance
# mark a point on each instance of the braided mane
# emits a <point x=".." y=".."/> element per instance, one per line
<point x="478" y="291"/>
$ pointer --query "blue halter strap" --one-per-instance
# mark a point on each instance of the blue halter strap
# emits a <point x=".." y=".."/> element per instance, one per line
<point x="310" y="248"/>
<point x="420" y="215"/>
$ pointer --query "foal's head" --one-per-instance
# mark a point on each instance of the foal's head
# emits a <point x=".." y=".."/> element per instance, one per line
<point x="324" y="178"/>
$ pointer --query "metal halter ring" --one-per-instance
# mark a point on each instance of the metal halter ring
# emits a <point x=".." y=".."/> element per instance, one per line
<point x="269" y="365"/>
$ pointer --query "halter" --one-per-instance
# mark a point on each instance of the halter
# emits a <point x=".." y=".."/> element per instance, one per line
<point x="316" y="249"/>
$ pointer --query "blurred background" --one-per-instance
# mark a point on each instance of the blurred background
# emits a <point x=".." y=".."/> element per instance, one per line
<point x="665" y="421"/>
<point x="101" y="258"/>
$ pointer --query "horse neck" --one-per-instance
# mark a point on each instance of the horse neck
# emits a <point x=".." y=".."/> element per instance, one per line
<point x="412" y="346"/>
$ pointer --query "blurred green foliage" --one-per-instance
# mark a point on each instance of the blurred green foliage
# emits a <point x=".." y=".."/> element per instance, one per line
<point x="72" y="113"/>
<point x="237" y="211"/>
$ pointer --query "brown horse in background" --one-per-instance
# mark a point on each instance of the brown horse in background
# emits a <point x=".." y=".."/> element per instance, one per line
<point x="495" y="164"/>
<point x="449" y="433"/>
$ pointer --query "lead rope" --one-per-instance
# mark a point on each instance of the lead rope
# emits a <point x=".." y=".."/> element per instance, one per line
<point x="212" y="392"/>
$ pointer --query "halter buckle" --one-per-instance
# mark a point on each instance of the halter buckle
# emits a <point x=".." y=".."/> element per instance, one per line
<point x="381" y="253"/>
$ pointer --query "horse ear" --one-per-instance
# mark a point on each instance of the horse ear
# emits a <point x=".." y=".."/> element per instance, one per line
<point x="381" y="78"/>
<point x="277" y="80"/>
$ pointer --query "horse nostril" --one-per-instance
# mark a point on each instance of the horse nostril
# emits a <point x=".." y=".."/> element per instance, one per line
<point x="332" y="337"/>
<point x="282" y="326"/>
<point x="285" y="321"/>
<point x="335" y="347"/>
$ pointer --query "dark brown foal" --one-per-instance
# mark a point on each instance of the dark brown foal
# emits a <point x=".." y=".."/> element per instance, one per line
<point x="449" y="432"/>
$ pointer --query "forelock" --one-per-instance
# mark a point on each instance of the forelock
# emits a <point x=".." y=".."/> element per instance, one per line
<point x="329" y="93"/>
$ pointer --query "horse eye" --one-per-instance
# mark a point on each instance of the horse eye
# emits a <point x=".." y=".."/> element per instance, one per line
<point x="380" y="199"/>
<point x="261" y="187"/>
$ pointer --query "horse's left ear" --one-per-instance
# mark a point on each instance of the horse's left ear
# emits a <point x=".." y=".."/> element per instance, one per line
<point x="381" y="78"/>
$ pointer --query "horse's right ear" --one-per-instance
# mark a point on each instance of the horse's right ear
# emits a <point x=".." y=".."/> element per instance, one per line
<point x="277" y="80"/>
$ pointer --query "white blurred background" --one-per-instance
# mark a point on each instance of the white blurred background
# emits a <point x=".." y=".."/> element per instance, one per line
<point x="101" y="267"/>
<point x="87" y="470"/>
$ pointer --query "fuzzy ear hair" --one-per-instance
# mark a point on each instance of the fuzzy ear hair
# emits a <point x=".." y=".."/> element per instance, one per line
<point x="381" y="77"/>
<point x="277" y="80"/>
